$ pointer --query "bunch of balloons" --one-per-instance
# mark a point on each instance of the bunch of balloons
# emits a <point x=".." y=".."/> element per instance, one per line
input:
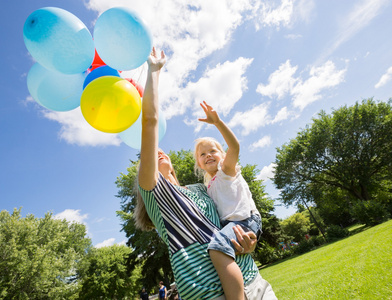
<point x="72" y="69"/>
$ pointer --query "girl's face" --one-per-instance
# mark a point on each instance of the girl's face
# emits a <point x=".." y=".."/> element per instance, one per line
<point x="208" y="157"/>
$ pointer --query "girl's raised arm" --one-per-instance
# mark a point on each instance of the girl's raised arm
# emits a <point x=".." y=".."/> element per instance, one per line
<point x="230" y="161"/>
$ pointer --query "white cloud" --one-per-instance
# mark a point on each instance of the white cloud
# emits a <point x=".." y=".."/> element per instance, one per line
<point x="76" y="130"/>
<point x="282" y="83"/>
<point x="265" y="141"/>
<point x="105" y="243"/>
<point x="323" y="77"/>
<point x="109" y="242"/>
<point x="283" y="114"/>
<point x="72" y="215"/>
<point x="293" y="36"/>
<point x="221" y="87"/>
<point x="272" y="14"/>
<point x="384" y="78"/>
<point x="360" y="17"/>
<point x="267" y="172"/>
<point x="257" y="117"/>
<point x="189" y="33"/>
<point x="281" y="14"/>
<point x="252" y="119"/>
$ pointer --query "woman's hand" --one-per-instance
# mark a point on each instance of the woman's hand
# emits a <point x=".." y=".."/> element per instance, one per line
<point x="154" y="62"/>
<point x="212" y="116"/>
<point x="246" y="240"/>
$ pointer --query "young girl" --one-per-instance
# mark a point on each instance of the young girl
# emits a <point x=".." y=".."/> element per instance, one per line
<point x="232" y="197"/>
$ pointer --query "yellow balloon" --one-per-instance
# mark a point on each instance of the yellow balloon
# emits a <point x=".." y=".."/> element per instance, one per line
<point x="110" y="104"/>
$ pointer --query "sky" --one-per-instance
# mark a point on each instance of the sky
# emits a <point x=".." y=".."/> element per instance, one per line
<point x="267" y="67"/>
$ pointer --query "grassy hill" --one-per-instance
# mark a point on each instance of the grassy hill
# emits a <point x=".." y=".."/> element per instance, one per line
<point x="357" y="267"/>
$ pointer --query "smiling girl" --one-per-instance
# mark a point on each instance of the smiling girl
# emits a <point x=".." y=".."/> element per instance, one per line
<point x="232" y="197"/>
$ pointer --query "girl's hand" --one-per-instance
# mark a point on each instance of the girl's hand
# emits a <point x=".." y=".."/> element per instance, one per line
<point x="212" y="116"/>
<point x="247" y="240"/>
<point x="154" y="62"/>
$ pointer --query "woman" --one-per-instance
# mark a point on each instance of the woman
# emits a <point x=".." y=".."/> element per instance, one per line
<point x="162" y="295"/>
<point x="185" y="218"/>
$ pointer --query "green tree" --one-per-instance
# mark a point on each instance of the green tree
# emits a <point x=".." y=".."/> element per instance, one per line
<point x="297" y="226"/>
<point x="39" y="256"/>
<point x="104" y="274"/>
<point x="348" y="150"/>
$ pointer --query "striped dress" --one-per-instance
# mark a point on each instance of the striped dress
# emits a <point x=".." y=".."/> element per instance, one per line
<point x="186" y="220"/>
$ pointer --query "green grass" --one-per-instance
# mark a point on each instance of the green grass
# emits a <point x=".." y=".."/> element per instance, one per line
<point x="357" y="267"/>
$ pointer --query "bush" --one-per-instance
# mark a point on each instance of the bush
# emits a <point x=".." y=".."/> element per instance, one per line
<point x="318" y="240"/>
<point x="265" y="253"/>
<point x="304" y="246"/>
<point x="370" y="212"/>
<point x="336" y="232"/>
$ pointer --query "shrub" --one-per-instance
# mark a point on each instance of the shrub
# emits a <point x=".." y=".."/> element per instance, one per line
<point x="318" y="240"/>
<point x="265" y="253"/>
<point x="304" y="246"/>
<point x="335" y="232"/>
<point x="370" y="212"/>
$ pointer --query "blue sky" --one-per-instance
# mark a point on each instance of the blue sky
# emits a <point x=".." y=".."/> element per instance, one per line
<point x="267" y="67"/>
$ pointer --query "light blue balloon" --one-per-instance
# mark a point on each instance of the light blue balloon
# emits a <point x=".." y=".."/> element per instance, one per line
<point x="122" y="39"/>
<point x="54" y="90"/>
<point x="58" y="40"/>
<point x="133" y="135"/>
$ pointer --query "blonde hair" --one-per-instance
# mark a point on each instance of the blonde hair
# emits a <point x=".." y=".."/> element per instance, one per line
<point x="198" y="170"/>
<point x="140" y="215"/>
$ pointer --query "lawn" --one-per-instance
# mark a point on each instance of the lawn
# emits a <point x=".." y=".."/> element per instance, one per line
<point x="357" y="267"/>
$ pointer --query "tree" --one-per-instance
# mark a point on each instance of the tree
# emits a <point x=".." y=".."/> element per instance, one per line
<point x="39" y="256"/>
<point x="104" y="274"/>
<point x="149" y="251"/>
<point x="297" y="226"/>
<point x="348" y="150"/>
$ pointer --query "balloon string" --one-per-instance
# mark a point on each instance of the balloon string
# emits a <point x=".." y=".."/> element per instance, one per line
<point x="141" y="72"/>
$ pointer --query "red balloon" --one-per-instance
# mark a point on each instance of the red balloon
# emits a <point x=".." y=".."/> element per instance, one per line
<point x="139" y="88"/>
<point x="97" y="62"/>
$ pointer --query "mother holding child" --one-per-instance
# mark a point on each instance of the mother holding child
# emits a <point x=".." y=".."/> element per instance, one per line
<point x="203" y="258"/>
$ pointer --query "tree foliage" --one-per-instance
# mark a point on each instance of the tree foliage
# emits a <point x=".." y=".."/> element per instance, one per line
<point x="149" y="251"/>
<point x="348" y="150"/>
<point x="297" y="226"/>
<point x="104" y="273"/>
<point x="39" y="256"/>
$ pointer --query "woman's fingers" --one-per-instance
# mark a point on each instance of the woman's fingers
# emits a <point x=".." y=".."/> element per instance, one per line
<point x="246" y="240"/>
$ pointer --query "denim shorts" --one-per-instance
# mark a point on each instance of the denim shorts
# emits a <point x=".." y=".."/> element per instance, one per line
<point x="221" y="241"/>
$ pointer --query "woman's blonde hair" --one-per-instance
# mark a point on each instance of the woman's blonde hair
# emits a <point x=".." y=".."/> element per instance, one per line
<point x="198" y="170"/>
<point x="140" y="215"/>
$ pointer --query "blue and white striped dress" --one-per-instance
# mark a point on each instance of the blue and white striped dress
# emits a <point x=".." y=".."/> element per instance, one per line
<point x="186" y="220"/>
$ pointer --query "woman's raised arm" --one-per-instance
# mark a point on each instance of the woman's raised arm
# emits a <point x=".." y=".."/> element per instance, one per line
<point x="148" y="171"/>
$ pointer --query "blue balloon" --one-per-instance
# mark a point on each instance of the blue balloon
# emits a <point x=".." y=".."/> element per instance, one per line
<point x="54" y="90"/>
<point x="99" y="72"/>
<point x="133" y="135"/>
<point x="122" y="39"/>
<point x="58" y="40"/>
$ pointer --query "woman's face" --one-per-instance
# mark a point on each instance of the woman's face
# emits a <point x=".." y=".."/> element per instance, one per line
<point x="164" y="162"/>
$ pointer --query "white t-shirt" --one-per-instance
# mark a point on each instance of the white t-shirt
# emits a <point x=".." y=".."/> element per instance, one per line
<point x="231" y="196"/>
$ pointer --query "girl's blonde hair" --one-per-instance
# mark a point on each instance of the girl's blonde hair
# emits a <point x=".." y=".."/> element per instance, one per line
<point x="140" y="215"/>
<point x="198" y="170"/>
